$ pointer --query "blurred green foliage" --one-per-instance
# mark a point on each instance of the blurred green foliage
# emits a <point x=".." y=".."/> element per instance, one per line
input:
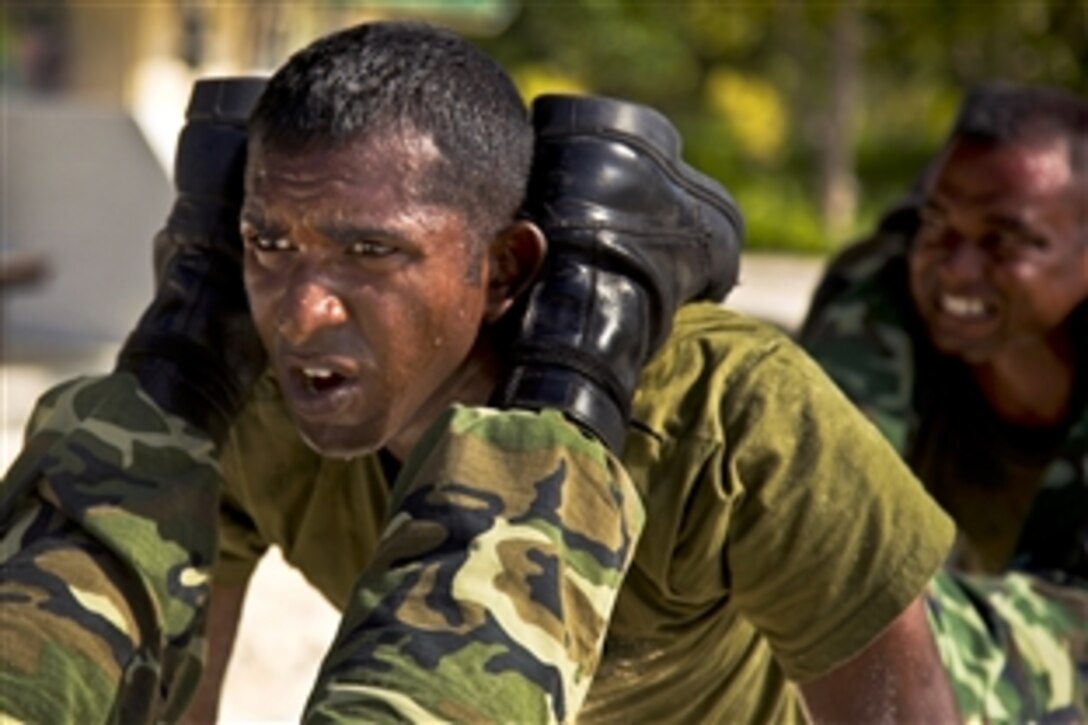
<point x="751" y="84"/>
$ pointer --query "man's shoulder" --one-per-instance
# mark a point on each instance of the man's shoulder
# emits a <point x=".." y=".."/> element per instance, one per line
<point x="719" y="324"/>
<point x="713" y="338"/>
<point x="706" y="361"/>
<point x="867" y="280"/>
<point x="862" y="315"/>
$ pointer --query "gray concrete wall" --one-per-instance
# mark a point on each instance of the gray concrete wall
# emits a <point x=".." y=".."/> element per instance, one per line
<point x="79" y="184"/>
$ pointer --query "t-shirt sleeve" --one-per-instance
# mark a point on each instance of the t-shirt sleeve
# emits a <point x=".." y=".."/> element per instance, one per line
<point x="832" y="536"/>
<point x="241" y="544"/>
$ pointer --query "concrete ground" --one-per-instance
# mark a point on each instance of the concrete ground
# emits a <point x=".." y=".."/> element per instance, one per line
<point x="286" y="625"/>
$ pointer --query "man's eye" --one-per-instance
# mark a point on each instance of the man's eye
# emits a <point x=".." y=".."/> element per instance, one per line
<point x="931" y="222"/>
<point x="932" y="235"/>
<point x="1013" y="246"/>
<point x="370" y="249"/>
<point x="264" y="244"/>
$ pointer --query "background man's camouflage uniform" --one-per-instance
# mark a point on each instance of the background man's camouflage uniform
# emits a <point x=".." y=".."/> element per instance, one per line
<point x="861" y="328"/>
<point x="1005" y="643"/>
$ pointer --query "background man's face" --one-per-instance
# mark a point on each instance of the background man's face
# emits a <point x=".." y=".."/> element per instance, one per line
<point x="1000" y="259"/>
<point x="358" y="288"/>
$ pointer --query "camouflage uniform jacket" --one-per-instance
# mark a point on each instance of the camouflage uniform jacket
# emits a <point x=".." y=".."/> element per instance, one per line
<point x="863" y="330"/>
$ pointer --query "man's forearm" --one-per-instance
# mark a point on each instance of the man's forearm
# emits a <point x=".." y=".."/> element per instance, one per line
<point x="495" y="579"/>
<point x="108" y="531"/>
<point x="897" y="678"/>
<point x="224" y="617"/>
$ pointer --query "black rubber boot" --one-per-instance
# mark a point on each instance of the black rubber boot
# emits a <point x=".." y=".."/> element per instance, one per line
<point x="633" y="233"/>
<point x="195" y="349"/>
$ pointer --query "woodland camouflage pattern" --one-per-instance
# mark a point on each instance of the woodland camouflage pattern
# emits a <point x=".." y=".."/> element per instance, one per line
<point x="108" y="530"/>
<point x="856" y="329"/>
<point x="1006" y="642"/>
<point x="504" y="592"/>
<point x="107" y="521"/>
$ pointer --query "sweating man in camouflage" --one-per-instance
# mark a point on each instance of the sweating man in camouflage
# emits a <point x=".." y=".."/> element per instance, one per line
<point x="758" y="533"/>
<point x="961" y="330"/>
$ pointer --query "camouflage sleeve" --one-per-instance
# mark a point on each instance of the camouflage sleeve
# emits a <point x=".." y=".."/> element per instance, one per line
<point x="1015" y="647"/>
<point x="494" y="581"/>
<point x="107" y="529"/>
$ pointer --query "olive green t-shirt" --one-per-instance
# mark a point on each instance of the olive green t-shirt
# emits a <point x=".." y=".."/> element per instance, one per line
<point x="783" y="533"/>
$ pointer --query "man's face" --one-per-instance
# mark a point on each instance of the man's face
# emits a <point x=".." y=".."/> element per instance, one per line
<point x="360" y="288"/>
<point x="1001" y="258"/>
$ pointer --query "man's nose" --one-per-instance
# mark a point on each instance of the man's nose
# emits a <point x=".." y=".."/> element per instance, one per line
<point x="964" y="261"/>
<point x="311" y="308"/>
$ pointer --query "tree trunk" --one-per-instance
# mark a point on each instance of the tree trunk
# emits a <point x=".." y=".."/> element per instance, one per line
<point x="838" y="187"/>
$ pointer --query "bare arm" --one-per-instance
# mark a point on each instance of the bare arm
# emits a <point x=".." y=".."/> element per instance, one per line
<point x="897" y="678"/>
<point x="224" y="614"/>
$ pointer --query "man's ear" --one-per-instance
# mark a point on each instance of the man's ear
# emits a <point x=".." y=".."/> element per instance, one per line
<point x="515" y="257"/>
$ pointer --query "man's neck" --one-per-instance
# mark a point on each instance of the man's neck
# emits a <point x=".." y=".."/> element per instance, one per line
<point x="470" y="384"/>
<point x="1031" y="386"/>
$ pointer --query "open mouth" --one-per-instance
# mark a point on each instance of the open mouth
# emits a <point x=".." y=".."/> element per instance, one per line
<point x="320" y="380"/>
<point x="319" y="389"/>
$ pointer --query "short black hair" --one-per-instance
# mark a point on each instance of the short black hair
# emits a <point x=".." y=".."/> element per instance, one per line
<point x="385" y="77"/>
<point x="1000" y="113"/>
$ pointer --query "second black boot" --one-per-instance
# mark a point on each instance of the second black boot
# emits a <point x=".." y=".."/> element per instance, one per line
<point x="633" y="232"/>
